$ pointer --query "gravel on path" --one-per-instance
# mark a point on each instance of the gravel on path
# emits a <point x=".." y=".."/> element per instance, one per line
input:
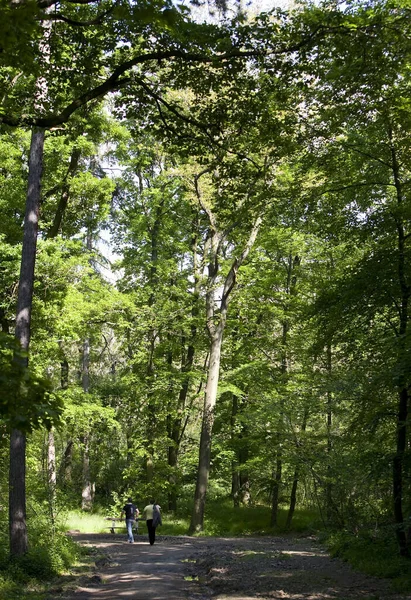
<point x="186" y="568"/>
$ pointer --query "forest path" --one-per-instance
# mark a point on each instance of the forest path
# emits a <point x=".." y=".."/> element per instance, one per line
<point x="184" y="568"/>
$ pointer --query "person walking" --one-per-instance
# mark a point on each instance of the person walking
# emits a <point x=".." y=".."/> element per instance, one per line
<point x="131" y="512"/>
<point x="153" y="519"/>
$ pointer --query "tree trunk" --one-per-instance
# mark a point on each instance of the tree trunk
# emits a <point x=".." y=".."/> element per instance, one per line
<point x="293" y="496"/>
<point x="293" y="499"/>
<point x="235" y="477"/>
<point x="152" y="340"/>
<point x="402" y="413"/>
<point x="51" y="474"/>
<point x="177" y="425"/>
<point x="328" y="485"/>
<point x="210" y="397"/>
<point x="65" y="469"/>
<point x="216" y="310"/>
<point x="17" y="495"/>
<point x="87" y="490"/>
<point x="240" y="482"/>
<point x="17" y="472"/>
<point x="277" y="474"/>
<point x="65" y="195"/>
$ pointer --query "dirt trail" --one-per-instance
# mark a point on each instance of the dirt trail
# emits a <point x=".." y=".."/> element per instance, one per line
<point x="183" y="568"/>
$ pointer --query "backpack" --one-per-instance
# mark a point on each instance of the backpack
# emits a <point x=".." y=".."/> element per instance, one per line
<point x="129" y="509"/>
<point x="156" y="516"/>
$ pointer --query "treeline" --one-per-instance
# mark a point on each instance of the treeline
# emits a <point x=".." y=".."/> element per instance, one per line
<point x="249" y="337"/>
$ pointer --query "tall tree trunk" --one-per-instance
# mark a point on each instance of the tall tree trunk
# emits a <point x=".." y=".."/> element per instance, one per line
<point x="235" y="476"/>
<point x="210" y="397"/>
<point x="152" y="340"/>
<point x="240" y="482"/>
<point x="17" y="494"/>
<point x="65" y="195"/>
<point x="277" y="475"/>
<point x="176" y="425"/>
<point x="403" y="396"/>
<point x="276" y="484"/>
<point x="17" y="471"/>
<point x="51" y="474"/>
<point x="87" y="489"/>
<point x="293" y="495"/>
<point x="65" y="469"/>
<point x="329" y="485"/>
<point x="216" y="311"/>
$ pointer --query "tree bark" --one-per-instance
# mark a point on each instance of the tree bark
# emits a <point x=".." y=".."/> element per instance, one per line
<point x="210" y="397"/>
<point x="277" y="474"/>
<point x="329" y="485"/>
<point x="87" y="490"/>
<point x="51" y="474"/>
<point x="17" y="495"/>
<point x="64" y="197"/>
<point x="176" y="425"/>
<point x="293" y="495"/>
<point x="216" y="320"/>
<point x="403" y="396"/>
<point x="152" y="341"/>
<point x="17" y="470"/>
<point x="87" y="487"/>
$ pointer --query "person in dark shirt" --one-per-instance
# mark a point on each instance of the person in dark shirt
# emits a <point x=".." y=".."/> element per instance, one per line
<point x="131" y="512"/>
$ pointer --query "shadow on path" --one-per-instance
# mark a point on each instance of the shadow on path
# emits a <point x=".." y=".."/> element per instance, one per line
<point x="184" y="568"/>
<point x="136" y="571"/>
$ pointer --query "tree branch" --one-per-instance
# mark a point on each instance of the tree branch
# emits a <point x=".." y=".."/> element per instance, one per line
<point x="114" y="81"/>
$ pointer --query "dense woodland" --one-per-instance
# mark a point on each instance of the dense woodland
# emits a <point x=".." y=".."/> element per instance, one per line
<point x="217" y="214"/>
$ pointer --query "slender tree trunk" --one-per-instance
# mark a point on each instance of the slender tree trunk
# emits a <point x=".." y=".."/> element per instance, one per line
<point x="5" y="325"/>
<point x="51" y="473"/>
<point x="277" y="475"/>
<point x="293" y="495"/>
<point x="17" y="472"/>
<point x="210" y="398"/>
<point x="65" y="469"/>
<point x="65" y="195"/>
<point x="235" y="477"/>
<point x="87" y="490"/>
<point x="175" y="424"/>
<point x="240" y="482"/>
<point x="152" y="340"/>
<point x="329" y="485"/>
<point x="216" y="310"/>
<point x="403" y="396"/>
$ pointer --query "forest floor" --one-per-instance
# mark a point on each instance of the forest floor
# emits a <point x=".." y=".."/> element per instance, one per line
<point x="186" y="568"/>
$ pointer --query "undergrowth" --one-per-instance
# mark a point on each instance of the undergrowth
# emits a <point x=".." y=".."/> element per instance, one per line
<point x="374" y="553"/>
<point x="51" y="554"/>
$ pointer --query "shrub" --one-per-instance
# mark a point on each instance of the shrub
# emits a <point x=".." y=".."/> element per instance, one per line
<point x="374" y="553"/>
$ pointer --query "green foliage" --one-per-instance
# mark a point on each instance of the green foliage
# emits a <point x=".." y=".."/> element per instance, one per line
<point x="27" y="400"/>
<point x="222" y="519"/>
<point x="88" y="522"/>
<point x="52" y="553"/>
<point x="374" y="553"/>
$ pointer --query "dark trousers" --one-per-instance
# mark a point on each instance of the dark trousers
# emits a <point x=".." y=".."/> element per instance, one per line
<point x="151" y="531"/>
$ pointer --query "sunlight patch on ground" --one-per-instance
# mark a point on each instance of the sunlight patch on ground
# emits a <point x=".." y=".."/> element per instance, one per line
<point x="319" y="553"/>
